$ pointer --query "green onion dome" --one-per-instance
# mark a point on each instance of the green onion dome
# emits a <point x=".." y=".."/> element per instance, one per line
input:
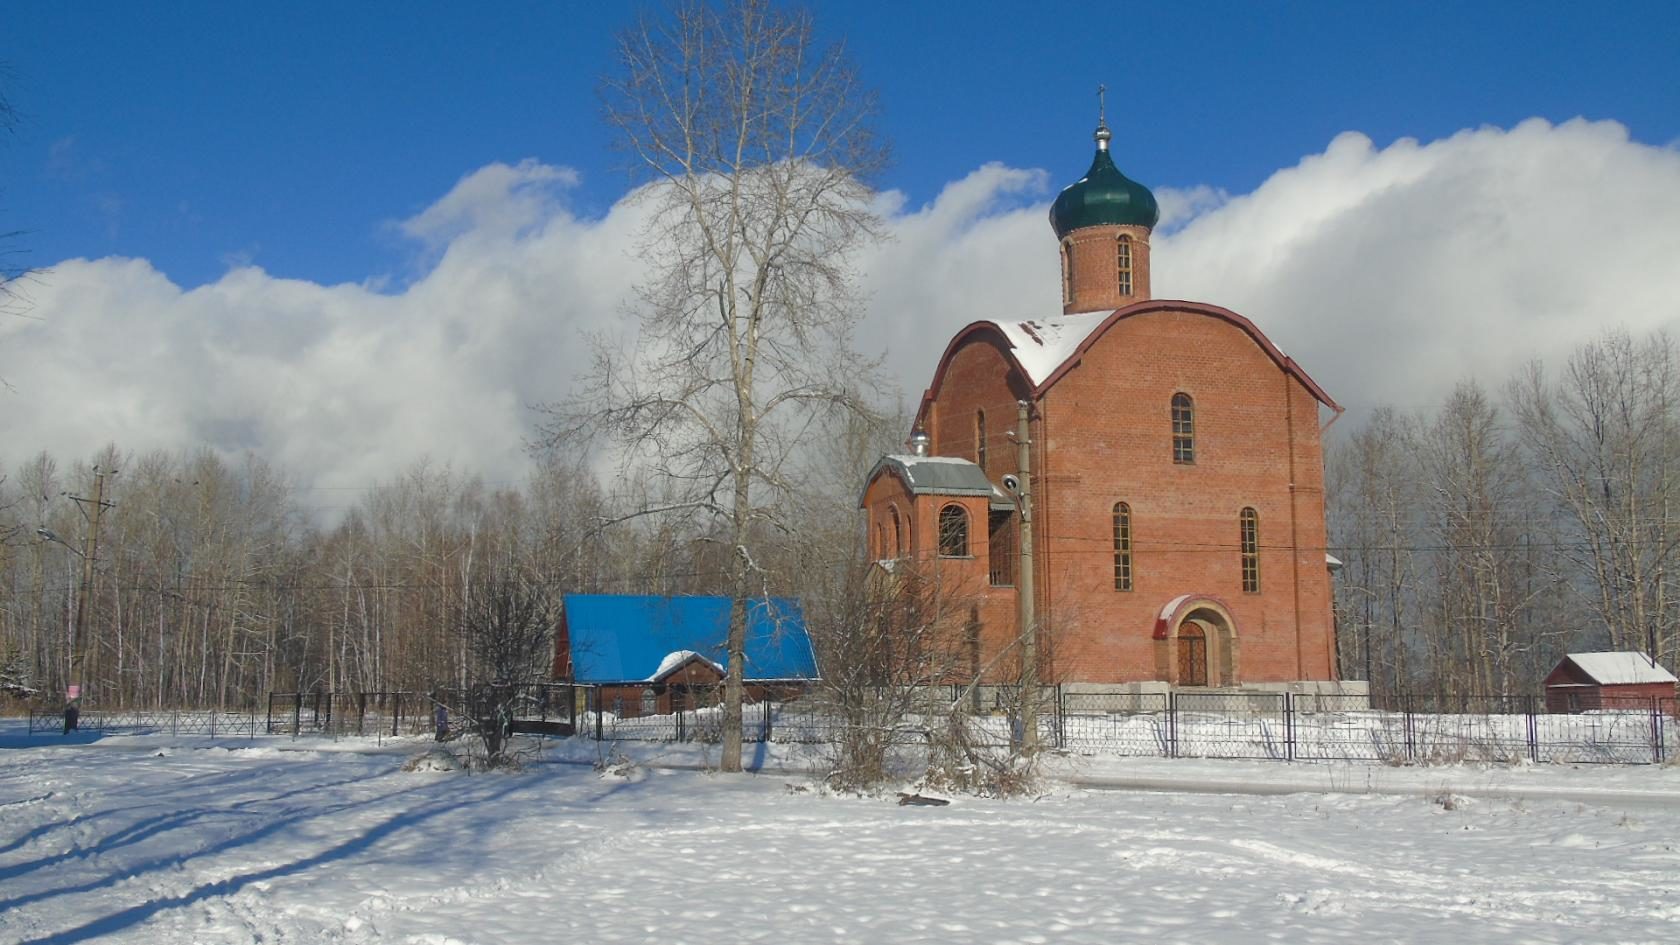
<point x="1103" y="197"/>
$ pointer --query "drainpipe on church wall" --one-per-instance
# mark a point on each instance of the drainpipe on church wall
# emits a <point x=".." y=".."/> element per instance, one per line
<point x="1024" y="585"/>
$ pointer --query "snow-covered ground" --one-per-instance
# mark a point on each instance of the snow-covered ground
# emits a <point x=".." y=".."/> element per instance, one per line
<point x="155" y="838"/>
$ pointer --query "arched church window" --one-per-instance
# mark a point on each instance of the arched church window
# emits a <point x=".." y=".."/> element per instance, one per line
<point x="1122" y="546"/>
<point x="980" y="438"/>
<point x="1250" y="551"/>
<point x="953" y="532"/>
<point x="650" y="702"/>
<point x="1067" y="271"/>
<point x="897" y="533"/>
<point x="1183" y="429"/>
<point x="1123" y="263"/>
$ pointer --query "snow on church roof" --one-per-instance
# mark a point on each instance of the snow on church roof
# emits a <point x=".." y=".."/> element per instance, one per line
<point x="1042" y="344"/>
<point x="1620" y="669"/>
<point x="1042" y="348"/>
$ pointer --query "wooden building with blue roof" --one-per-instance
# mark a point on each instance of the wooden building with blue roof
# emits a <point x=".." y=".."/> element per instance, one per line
<point x="657" y="655"/>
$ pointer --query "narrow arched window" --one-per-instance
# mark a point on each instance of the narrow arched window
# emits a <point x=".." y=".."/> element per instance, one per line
<point x="1183" y="429"/>
<point x="1122" y="546"/>
<point x="953" y="532"/>
<point x="1067" y="272"/>
<point x="1250" y="551"/>
<point x="1123" y="264"/>
<point x="897" y="534"/>
<point x="650" y="702"/>
<point x="880" y="540"/>
<point x="980" y="438"/>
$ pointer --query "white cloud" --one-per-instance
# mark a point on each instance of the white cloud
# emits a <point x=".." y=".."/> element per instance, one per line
<point x="1388" y="273"/>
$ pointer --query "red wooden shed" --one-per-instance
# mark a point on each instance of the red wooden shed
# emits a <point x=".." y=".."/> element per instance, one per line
<point x="1582" y="682"/>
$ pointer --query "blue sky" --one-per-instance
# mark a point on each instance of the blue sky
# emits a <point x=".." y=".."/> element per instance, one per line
<point x="350" y="238"/>
<point x="198" y="135"/>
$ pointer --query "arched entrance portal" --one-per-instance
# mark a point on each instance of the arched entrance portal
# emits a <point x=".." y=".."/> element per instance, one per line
<point x="1197" y="643"/>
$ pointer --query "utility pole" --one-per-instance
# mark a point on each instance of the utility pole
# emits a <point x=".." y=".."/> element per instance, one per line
<point x="90" y="551"/>
<point x="1024" y="585"/>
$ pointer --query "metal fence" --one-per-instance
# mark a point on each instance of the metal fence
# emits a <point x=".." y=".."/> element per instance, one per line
<point x="1281" y="726"/>
<point x="1417" y="729"/>
<point x="536" y="708"/>
<point x="211" y="723"/>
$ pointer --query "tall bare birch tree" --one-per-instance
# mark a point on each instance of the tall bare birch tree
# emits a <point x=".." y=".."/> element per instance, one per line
<point x="11" y="270"/>
<point x="1606" y="434"/>
<point x="756" y="148"/>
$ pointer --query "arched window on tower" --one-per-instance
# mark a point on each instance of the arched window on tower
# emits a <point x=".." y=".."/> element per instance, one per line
<point x="953" y="532"/>
<point x="897" y="534"/>
<point x="980" y="438"/>
<point x="1250" y="551"/>
<point x="1122" y="546"/>
<point x="1183" y="429"/>
<point x="1067" y="271"/>
<point x="1123" y="264"/>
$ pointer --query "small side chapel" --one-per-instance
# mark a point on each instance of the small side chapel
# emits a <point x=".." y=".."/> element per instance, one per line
<point x="1176" y="476"/>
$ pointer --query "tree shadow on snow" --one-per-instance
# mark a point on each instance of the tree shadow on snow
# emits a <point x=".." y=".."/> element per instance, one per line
<point x="367" y="839"/>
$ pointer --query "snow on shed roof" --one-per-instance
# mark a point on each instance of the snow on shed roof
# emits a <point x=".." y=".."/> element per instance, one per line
<point x="675" y="659"/>
<point x="1621" y="668"/>
<point x="628" y="638"/>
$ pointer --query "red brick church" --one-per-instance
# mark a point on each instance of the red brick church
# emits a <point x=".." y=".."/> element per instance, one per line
<point x="1176" y="476"/>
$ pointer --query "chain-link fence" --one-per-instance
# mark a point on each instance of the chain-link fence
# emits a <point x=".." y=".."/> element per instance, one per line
<point x="1330" y="727"/>
<point x="1282" y="726"/>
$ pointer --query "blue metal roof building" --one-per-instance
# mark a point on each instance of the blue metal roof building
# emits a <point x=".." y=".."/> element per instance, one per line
<point x="621" y="638"/>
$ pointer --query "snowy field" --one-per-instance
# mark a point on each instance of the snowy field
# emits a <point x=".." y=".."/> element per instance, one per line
<point x="164" y="839"/>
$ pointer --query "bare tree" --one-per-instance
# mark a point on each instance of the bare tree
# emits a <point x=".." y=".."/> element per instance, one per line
<point x="1481" y="529"/>
<point x="11" y="271"/>
<point x="1606" y="435"/>
<point x="507" y="621"/>
<point x="1373" y="524"/>
<point x="756" y="147"/>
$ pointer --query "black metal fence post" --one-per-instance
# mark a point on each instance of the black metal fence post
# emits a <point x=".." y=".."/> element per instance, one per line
<point x="1172" y="725"/>
<point x="595" y="697"/>
<point x="1656" y="730"/>
<point x="1533" y="730"/>
<point x="297" y="714"/>
<point x="1289" y="726"/>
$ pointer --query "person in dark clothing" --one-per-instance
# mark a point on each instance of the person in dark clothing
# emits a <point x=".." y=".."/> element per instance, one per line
<point x="72" y="716"/>
<point x="440" y="719"/>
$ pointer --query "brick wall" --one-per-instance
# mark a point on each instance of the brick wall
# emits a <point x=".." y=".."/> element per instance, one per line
<point x="1096" y="271"/>
<point x="1103" y="434"/>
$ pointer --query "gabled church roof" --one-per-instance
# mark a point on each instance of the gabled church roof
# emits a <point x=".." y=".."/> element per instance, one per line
<point x="1043" y="349"/>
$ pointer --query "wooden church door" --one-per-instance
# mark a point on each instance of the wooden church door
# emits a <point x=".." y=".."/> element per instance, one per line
<point x="1192" y="655"/>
